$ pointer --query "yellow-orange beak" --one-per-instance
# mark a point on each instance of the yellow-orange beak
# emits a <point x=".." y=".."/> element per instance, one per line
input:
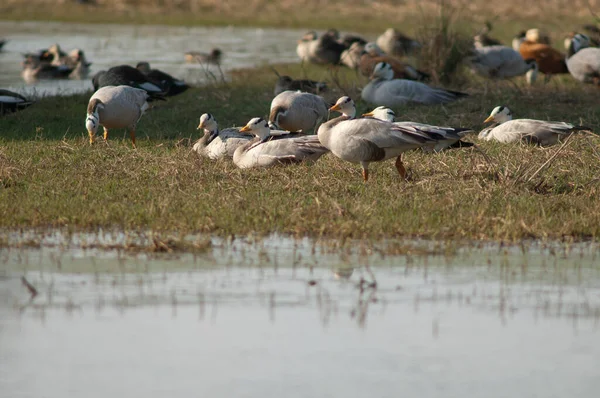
<point x="200" y="126"/>
<point x="336" y="107"/>
<point x="368" y="114"/>
<point x="245" y="129"/>
<point x="489" y="119"/>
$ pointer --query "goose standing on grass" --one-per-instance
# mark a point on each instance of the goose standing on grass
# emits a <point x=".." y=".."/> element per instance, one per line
<point x="196" y="57"/>
<point x="549" y="60"/>
<point x="174" y="86"/>
<point x="383" y="90"/>
<point x="368" y="140"/>
<point x="12" y="102"/>
<point x="125" y="75"/>
<point x="115" y="107"/>
<point x="394" y="42"/>
<point x="285" y="83"/>
<point x="501" y="62"/>
<point x="296" y="111"/>
<point x="266" y="150"/>
<point x="532" y="131"/>
<point x="583" y="61"/>
<point x="217" y="144"/>
<point x="445" y="137"/>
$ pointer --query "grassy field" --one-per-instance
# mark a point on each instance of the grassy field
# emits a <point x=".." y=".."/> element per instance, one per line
<point x="51" y="177"/>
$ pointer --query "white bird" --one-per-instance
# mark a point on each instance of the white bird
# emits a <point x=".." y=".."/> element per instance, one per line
<point x="266" y="150"/>
<point x="384" y="90"/>
<point x="445" y="137"/>
<point x="217" y="144"/>
<point x="583" y="61"/>
<point x="532" y="131"/>
<point x="368" y="140"/>
<point x="297" y="111"/>
<point x="395" y="43"/>
<point x="501" y="62"/>
<point x="114" y="107"/>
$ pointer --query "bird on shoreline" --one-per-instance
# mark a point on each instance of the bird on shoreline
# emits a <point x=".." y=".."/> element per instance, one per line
<point x="197" y="57"/>
<point x="266" y="150"/>
<point x="174" y="86"/>
<point x="114" y="107"/>
<point x="12" y="102"/>
<point x="532" y="131"/>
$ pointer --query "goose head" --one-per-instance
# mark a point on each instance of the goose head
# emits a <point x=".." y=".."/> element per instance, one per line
<point x="258" y="127"/>
<point x="373" y="49"/>
<point x="209" y="124"/>
<point x="578" y="42"/>
<point x="383" y="70"/>
<point x="92" y="122"/>
<point x="500" y="114"/>
<point x="308" y="36"/>
<point x="143" y="67"/>
<point x="345" y="106"/>
<point x="382" y="113"/>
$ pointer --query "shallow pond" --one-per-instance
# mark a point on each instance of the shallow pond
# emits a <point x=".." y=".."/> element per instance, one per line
<point x="278" y="316"/>
<point x="162" y="46"/>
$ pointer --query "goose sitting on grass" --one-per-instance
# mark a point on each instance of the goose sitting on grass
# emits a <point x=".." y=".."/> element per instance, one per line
<point x="174" y="86"/>
<point x="501" y="62"/>
<point x="532" y="131"/>
<point x="114" y="107"/>
<point x="12" y="102"/>
<point x="215" y="143"/>
<point x="296" y="111"/>
<point x="445" y="137"/>
<point x="372" y="55"/>
<point x="384" y="90"/>
<point x="266" y="150"/>
<point x="368" y="140"/>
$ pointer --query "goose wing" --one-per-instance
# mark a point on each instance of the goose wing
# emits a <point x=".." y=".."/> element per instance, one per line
<point x="399" y="91"/>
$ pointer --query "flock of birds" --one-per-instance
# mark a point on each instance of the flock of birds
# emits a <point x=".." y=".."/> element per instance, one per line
<point x="122" y="94"/>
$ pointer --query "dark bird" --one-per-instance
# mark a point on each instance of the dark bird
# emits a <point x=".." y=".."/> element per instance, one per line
<point x="175" y="86"/>
<point x="285" y="83"/>
<point x="12" y="102"/>
<point x="129" y="76"/>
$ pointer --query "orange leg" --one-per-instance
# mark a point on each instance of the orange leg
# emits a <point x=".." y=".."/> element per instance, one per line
<point x="132" y="134"/>
<point x="400" y="167"/>
<point x="365" y="174"/>
<point x="91" y="137"/>
<point x="105" y="134"/>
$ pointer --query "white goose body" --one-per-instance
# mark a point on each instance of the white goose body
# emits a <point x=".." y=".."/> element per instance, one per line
<point x="383" y="90"/>
<point x="266" y="150"/>
<point x="367" y="140"/>
<point x="443" y="137"/>
<point x="216" y="144"/>
<point x="297" y="111"/>
<point x="541" y="132"/>
<point x="583" y="61"/>
<point x="116" y="107"/>
<point x="501" y="62"/>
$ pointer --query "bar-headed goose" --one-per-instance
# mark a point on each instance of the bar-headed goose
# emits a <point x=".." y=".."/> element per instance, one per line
<point x="394" y="42"/>
<point x="501" y="62"/>
<point x="129" y="76"/>
<point x="444" y="137"/>
<point x="115" y="107"/>
<point x="368" y="140"/>
<point x="266" y="150"/>
<point x="296" y="111"/>
<point x="386" y="91"/>
<point x="12" y="102"/>
<point x="216" y="143"/>
<point x="540" y="132"/>
<point x="174" y="86"/>
<point x="583" y="61"/>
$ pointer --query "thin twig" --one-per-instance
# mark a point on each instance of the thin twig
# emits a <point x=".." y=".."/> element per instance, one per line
<point x="542" y="167"/>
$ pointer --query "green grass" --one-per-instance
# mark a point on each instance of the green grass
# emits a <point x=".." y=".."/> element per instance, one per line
<point x="51" y="177"/>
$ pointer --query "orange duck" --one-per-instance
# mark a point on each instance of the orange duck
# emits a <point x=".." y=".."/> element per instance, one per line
<point x="373" y="55"/>
<point x="550" y="61"/>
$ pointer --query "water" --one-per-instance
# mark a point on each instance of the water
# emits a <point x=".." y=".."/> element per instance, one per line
<point x="162" y="46"/>
<point x="268" y="317"/>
